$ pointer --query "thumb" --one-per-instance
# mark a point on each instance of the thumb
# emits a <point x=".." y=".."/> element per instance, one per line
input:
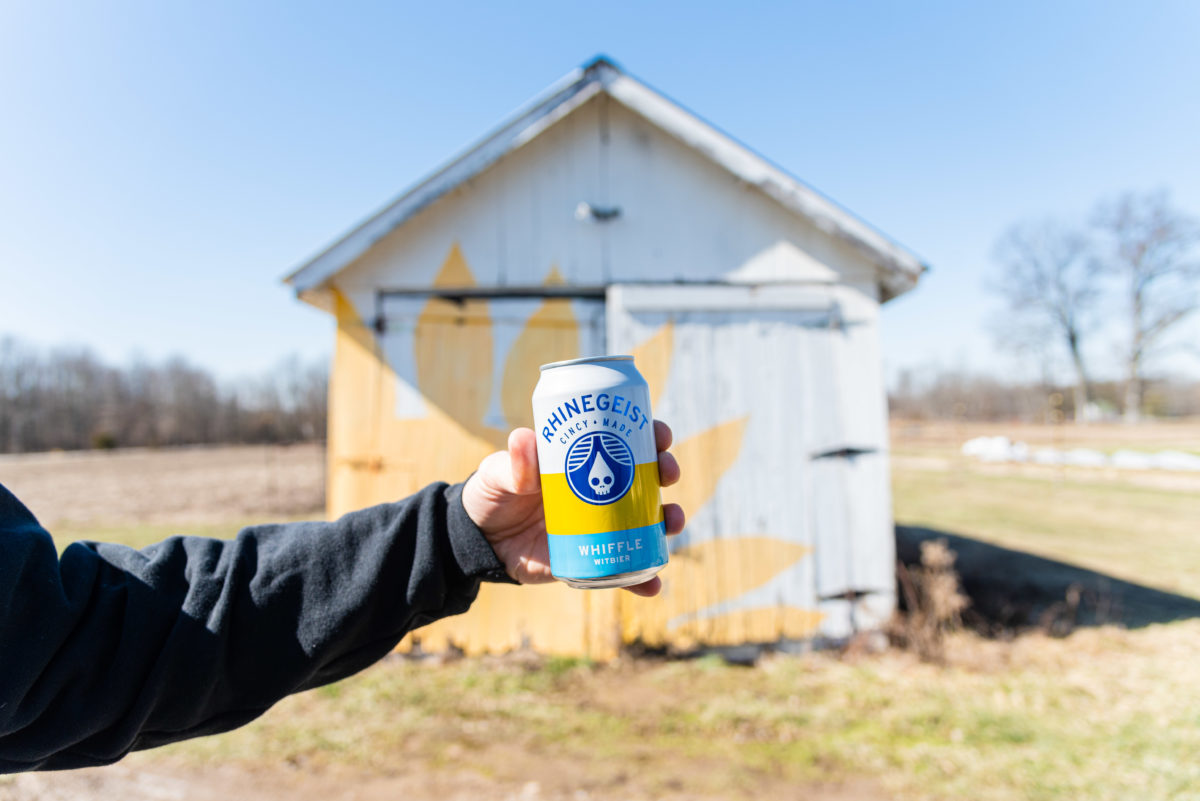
<point x="522" y="450"/>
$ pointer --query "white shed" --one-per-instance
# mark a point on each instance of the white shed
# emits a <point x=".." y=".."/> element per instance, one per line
<point x="603" y="217"/>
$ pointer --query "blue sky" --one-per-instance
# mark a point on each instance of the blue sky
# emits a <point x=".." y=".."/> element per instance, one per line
<point x="162" y="165"/>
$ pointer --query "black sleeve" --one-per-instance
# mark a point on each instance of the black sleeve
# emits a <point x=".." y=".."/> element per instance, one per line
<point x="109" y="649"/>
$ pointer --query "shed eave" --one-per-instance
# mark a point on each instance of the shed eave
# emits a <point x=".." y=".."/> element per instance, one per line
<point x="899" y="268"/>
<point x="560" y="99"/>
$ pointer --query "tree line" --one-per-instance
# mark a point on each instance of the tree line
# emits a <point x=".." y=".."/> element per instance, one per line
<point x="964" y="395"/>
<point x="1133" y="262"/>
<point x="68" y="398"/>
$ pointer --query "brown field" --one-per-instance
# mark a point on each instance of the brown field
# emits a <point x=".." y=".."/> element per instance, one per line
<point x="1141" y="526"/>
<point x="1104" y="713"/>
<point x="923" y="436"/>
<point x="78" y="494"/>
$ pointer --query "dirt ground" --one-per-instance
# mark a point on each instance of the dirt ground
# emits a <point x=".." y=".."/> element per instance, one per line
<point x="168" y="486"/>
<point x="165" y="782"/>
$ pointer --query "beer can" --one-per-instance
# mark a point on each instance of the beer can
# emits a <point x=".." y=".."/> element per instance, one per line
<point x="599" y="472"/>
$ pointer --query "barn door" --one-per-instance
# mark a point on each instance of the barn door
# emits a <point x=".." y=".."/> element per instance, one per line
<point x="751" y="379"/>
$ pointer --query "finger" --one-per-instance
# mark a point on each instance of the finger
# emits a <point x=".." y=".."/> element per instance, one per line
<point x="522" y="450"/>
<point x="668" y="469"/>
<point x="647" y="589"/>
<point x="674" y="517"/>
<point x="662" y="435"/>
<point x="496" y="473"/>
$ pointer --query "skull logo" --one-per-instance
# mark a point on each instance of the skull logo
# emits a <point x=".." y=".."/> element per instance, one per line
<point x="600" y="477"/>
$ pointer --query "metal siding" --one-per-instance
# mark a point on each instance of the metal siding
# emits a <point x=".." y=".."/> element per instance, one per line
<point x="740" y="354"/>
<point x="739" y="364"/>
<point x="852" y="492"/>
<point x="683" y="218"/>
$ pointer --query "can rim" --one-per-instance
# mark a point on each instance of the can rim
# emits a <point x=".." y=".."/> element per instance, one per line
<point x="588" y="360"/>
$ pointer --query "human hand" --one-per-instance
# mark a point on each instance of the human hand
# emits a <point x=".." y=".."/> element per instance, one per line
<point x="504" y="498"/>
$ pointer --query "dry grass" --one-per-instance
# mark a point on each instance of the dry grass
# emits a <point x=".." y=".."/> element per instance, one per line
<point x="1101" y="714"/>
<point x="933" y="601"/>
<point x="1104" y="714"/>
<point x="940" y="437"/>
<point x="168" y="487"/>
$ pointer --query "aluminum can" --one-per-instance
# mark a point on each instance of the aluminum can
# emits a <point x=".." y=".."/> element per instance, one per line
<point x="599" y="471"/>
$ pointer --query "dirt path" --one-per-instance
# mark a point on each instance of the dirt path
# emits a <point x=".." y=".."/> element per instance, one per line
<point x="554" y="782"/>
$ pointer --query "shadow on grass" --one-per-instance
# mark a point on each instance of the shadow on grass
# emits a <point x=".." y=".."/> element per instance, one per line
<point x="1014" y="589"/>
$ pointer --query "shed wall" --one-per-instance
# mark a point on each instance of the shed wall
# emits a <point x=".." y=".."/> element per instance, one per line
<point x="754" y="394"/>
<point x="423" y="387"/>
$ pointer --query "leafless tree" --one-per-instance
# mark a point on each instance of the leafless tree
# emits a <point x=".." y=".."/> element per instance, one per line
<point x="1152" y="247"/>
<point x="68" y="398"/>
<point x="1050" y="283"/>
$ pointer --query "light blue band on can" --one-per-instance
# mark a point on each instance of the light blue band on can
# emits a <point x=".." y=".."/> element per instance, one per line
<point x="589" y="556"/>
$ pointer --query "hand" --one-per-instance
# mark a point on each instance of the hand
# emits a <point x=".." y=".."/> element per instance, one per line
<point x="504" y="498"/>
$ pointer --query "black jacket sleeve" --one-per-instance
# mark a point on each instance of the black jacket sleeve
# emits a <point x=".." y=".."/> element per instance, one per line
<point x="110" y="649"/>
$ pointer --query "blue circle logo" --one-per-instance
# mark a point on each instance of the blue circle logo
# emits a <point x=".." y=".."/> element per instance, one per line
<point x="599" y="468"/>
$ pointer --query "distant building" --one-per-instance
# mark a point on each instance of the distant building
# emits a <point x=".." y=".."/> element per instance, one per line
<point x="603" y="218"/>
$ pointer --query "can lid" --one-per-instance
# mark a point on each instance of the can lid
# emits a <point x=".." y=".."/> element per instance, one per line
<point x="588" y="360"/>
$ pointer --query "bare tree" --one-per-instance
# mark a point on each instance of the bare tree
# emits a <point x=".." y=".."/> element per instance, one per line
<point x="1151" y="246"/>
<point x="1050" y="282"/>
<point x="68" y="398"/>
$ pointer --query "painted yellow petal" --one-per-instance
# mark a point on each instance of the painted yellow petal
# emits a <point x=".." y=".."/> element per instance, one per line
<point x="453" y="348"/>
<point x="703" y="460"/>
<point x="548" y="618"/>
<point x="373" y="456"/>
<point x="550" y="334"/>
<point x="653" y="360"/>
<point x="350" y="324"/>
<point x="702" y="576"/>
<point x="454" y="273"/>
<point x="767" y="624"/>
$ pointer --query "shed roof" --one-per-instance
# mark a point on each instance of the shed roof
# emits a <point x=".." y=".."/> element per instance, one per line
<point x="899" y="269"/>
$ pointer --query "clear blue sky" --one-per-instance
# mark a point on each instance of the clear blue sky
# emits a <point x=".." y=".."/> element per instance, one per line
<point x="162" y="165"/>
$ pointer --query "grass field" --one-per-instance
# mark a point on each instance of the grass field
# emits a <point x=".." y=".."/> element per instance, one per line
<point x="1146" y="532"/>
<point x="1104" y="713"/>
<point x="1144" y="535"/>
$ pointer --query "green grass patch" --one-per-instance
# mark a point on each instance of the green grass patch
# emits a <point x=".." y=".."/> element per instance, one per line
<point x="1141" y="534"/>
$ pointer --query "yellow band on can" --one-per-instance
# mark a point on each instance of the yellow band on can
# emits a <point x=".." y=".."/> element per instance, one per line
<point x="567" y="514"/>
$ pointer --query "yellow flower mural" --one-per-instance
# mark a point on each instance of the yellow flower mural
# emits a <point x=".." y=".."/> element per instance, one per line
<point x="375" y="456"/>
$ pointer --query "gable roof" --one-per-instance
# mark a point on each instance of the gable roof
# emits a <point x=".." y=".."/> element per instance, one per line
<point x="898" y="268"/>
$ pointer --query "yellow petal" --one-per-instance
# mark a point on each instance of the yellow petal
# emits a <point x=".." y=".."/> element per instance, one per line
<point x="453" y="349"/>
<point x="766" y="624"/>
<point x="653" y="360"/>
<point x="703" y="460"/>
<point x="701" y="577"/>
<point x="550" y="334"/>
<point x="454" y="272"/>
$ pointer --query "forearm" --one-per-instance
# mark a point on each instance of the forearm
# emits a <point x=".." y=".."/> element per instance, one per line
<point x="111" y="649"/>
